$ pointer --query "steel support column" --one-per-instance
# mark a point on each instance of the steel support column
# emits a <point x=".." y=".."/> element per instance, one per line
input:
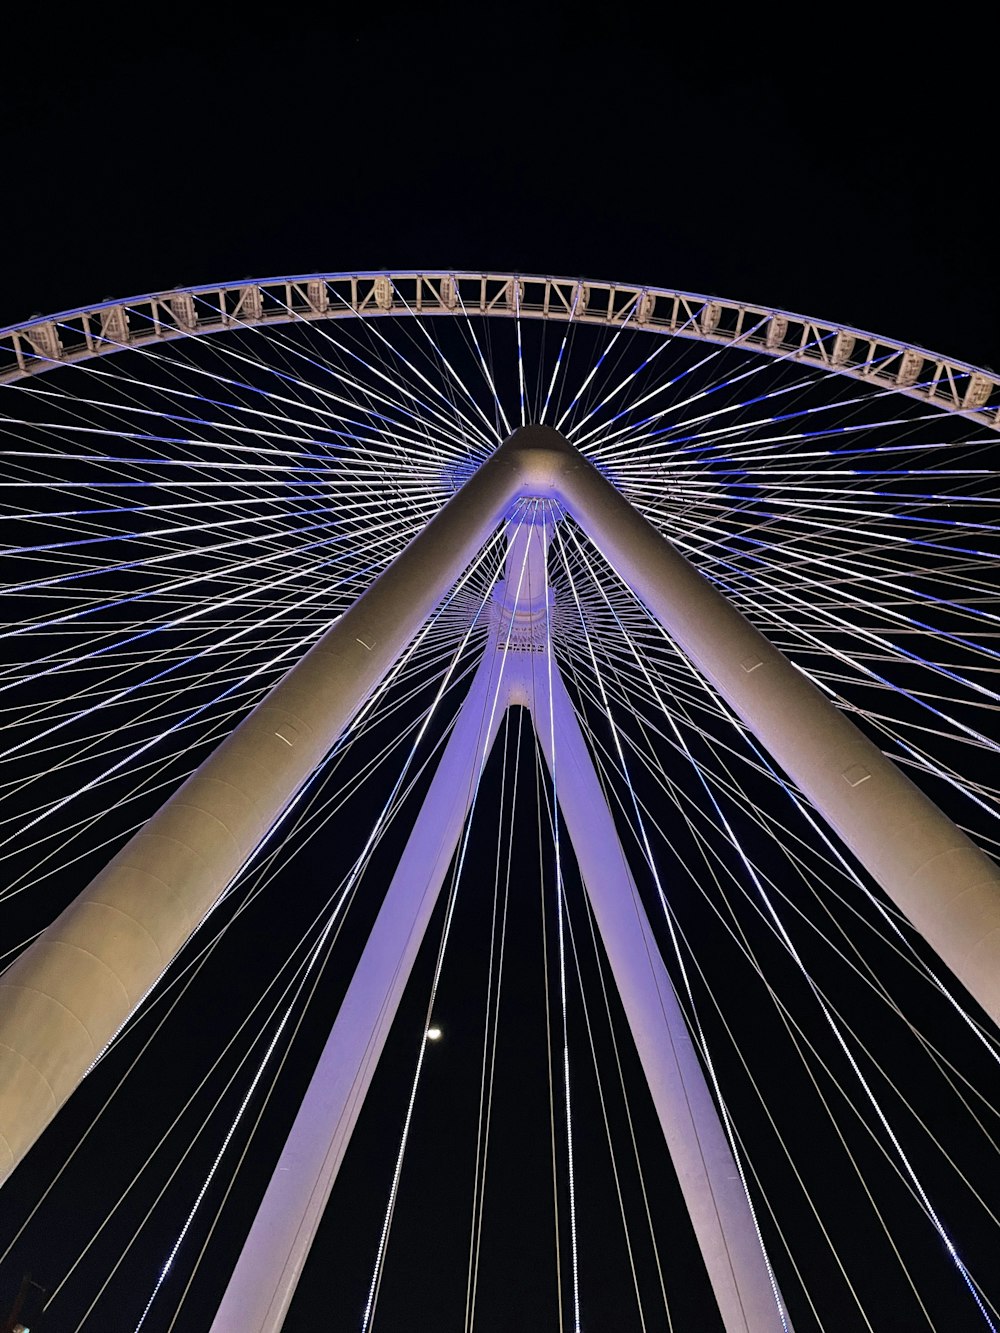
<point x="68" y="994"/>
<point x="263" y="1283"/>
<point x="938" y="877"/>
<point x="264" y="1280"/>
<point x="723" y="1223"/>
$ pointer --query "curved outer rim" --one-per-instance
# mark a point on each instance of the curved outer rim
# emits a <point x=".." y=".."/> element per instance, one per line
<point x="73" y="336"/>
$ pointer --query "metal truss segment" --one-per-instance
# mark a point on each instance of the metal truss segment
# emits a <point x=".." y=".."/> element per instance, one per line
<point x="40" y="344"/>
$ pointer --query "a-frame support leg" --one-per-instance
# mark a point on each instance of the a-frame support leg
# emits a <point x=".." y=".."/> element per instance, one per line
<point x="263" y="1282"/>
<point x="266" y="1274"/>
<point x="724" y="1225"/>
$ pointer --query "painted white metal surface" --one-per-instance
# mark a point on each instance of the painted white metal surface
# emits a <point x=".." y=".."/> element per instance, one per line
<point x="706" y="1170"/>
<point x="42" y="344"/>
<point x="67" y="995"/>
<point x="271" y="1262"/>
<point x="947" y="887"/>
<point x="513" y="671"/>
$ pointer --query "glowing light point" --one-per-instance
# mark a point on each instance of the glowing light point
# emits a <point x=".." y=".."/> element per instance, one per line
<point x="433" y="1034"/>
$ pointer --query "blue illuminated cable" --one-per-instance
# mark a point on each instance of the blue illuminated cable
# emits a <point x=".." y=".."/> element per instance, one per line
<point x="232" y="353"/>
<point x="600" y="361"/>
<point x="485" y="441"/>
<point x="487" y="374"/>
<point x="494" y="434"/>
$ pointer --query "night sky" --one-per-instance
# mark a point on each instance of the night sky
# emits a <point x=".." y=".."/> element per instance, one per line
<point x="829" y="171"/>
<point x="825" y="171"/>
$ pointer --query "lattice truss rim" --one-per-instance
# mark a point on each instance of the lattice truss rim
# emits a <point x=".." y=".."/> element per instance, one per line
<point x="45" y="342"/>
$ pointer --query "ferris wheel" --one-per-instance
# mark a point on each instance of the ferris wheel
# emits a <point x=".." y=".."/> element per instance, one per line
<point x="583" y="694"/>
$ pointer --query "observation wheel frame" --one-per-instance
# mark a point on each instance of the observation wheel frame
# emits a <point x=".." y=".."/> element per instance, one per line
<point x="42" y="344"/>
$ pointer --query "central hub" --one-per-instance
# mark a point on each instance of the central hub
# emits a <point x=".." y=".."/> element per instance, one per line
<point x="521" y="600"/>
<point x="542" y="456"/>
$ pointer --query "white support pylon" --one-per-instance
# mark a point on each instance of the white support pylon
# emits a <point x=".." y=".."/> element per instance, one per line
<point x="264" y="1279"/>
<point x="712" y="1186"/>
<point x="64" y="999"/>
<point x="513" y="671"/>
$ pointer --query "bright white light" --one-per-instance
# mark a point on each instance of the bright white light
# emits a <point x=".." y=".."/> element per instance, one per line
<point x="433" y="1034"/>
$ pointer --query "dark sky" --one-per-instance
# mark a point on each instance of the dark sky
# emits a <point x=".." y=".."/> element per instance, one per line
<point x="822" y="171"/>
<point x="840" y="173"/>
